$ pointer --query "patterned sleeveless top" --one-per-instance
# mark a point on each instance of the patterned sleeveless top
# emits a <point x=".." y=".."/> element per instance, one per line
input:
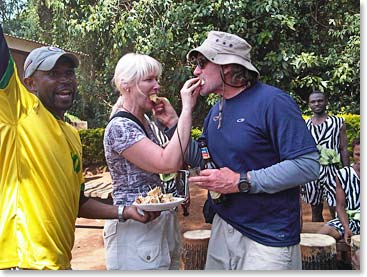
<point x="168" y="185"/>
<point x="327" y="133"/>
<point x="352" y="187"/>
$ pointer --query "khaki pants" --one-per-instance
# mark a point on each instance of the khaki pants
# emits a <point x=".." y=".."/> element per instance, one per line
<point x="230" y="250"/>
<point x="132" y="245"/>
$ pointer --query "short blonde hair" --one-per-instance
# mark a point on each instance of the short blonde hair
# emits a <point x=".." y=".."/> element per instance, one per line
<point x="133" y="67"/>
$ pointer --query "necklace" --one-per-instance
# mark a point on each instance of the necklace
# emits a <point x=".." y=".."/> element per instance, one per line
<point x="220" y="112"/>
<point x="219" y="117"/>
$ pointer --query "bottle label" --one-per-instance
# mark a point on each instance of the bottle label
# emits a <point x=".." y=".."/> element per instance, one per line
<point x="205" y="153"/>
<point x="214" y="194"/>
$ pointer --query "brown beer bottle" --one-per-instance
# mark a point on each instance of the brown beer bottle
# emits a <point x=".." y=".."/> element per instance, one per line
<point x="217" y="197"/>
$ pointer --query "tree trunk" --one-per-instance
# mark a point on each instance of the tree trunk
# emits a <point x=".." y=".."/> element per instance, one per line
<point x="195" y="247"/>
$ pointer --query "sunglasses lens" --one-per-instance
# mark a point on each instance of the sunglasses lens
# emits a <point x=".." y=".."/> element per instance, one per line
<point x="200" y="62"/>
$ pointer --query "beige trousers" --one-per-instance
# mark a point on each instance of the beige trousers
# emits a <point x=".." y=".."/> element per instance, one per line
<point x="137" y="246"/>
<point x="230" y="250"/>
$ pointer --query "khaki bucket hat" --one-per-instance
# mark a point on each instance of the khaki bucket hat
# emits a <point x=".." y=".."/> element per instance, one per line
<point x="225" y="48"/>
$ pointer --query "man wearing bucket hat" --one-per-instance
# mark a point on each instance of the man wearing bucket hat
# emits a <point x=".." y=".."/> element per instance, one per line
<point x="41" y="178"/>
<point x="258" y="139"/>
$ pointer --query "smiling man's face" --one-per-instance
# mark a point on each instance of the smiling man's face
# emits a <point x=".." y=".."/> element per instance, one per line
<point x="55" y="88"/>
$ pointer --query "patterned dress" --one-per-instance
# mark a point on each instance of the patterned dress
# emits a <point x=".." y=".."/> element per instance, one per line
<point x="351" y="185"/>
<point x="326" y="136"/>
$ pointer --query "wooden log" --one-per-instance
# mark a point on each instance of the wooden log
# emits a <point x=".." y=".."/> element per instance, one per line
<point x="105" y="194"/>
<point x="89" y="178"/>
<point x="195" y="248"/>
<point x="102" y="193"/>
<point x="89" y="187"/>
<point x="98" y="189"/>
<point x="343" y="254"/>
<point x="343" y="258"/>
<point x="355" y="252"/>
<point x="96" y="192"/>
<point x="318" y="251"/>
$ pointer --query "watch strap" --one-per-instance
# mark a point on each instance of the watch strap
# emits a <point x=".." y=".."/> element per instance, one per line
<point x="120" y="213"/>
<point x="244" y="185"/>
<point x="243" y="177"/>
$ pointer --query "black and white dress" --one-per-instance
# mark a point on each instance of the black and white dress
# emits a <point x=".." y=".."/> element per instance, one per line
<point x="168" y="185"/>
<point x="350" y="183"/>
<point x="326" y="135"/>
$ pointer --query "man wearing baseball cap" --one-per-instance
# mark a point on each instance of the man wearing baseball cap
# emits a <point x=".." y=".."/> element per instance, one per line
<point x="49" y="74"/>
<point x="41" y="176"/>
<point x="257" y="137"/>
<point x="45" y="58"/>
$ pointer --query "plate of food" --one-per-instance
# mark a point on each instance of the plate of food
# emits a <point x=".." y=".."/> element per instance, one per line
<point x="157" y="201"/>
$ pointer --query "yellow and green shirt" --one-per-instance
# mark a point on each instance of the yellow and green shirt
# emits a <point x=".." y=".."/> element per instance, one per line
<point x="40" y="177"/>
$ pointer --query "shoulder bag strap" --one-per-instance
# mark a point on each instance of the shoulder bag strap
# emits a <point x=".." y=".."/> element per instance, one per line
<point x="131" y="117"/>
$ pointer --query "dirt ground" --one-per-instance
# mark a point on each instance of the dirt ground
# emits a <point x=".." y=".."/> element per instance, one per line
<point x="88" y="252"/>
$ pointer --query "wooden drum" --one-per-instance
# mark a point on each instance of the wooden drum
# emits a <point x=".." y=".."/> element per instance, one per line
<point x="318" y="252"/>
<point x="195" y="248"/>
<point x="355" y="251"/>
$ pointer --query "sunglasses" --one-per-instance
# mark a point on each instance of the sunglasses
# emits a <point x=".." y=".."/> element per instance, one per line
<point x="200" y="62"/>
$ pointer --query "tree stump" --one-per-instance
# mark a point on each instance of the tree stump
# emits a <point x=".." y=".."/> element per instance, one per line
<point x="355" y="247"/>
<point x="195" y="248"/>
<point x="318" y="251"/>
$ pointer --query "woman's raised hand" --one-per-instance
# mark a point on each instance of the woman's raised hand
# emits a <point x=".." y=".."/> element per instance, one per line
<point x="189" y="93"/>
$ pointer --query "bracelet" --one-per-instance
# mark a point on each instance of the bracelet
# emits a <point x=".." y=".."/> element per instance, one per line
<point x="120" y="213"/>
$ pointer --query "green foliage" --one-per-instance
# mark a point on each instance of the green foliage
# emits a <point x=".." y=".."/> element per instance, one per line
<point x="19" y="18"/>
<point x="353" y="125"/>
<point x="93" y="151"/>
<point x="72" y="117"/>
<point x="196" y="133"/>
<point x="298" y="46"/>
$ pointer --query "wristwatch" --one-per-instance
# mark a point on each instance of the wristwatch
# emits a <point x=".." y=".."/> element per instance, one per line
<point x="244" y="185"/>
<point x="120" y="213"/>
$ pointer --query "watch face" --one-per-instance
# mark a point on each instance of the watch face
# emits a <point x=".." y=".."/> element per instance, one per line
<point x="243" y="186"/>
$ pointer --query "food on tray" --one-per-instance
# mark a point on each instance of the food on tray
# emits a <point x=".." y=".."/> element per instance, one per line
<point x="155" y="196"/>
<point x="155" y="192"/>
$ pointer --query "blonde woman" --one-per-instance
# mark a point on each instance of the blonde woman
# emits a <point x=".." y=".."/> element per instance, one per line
<point x="162" y="134"/>
<point x="135" y="159"/>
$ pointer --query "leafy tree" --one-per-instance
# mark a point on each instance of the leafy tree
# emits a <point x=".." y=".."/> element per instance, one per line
<point x="18" y="19"/>
<point x="298" y="46"/>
